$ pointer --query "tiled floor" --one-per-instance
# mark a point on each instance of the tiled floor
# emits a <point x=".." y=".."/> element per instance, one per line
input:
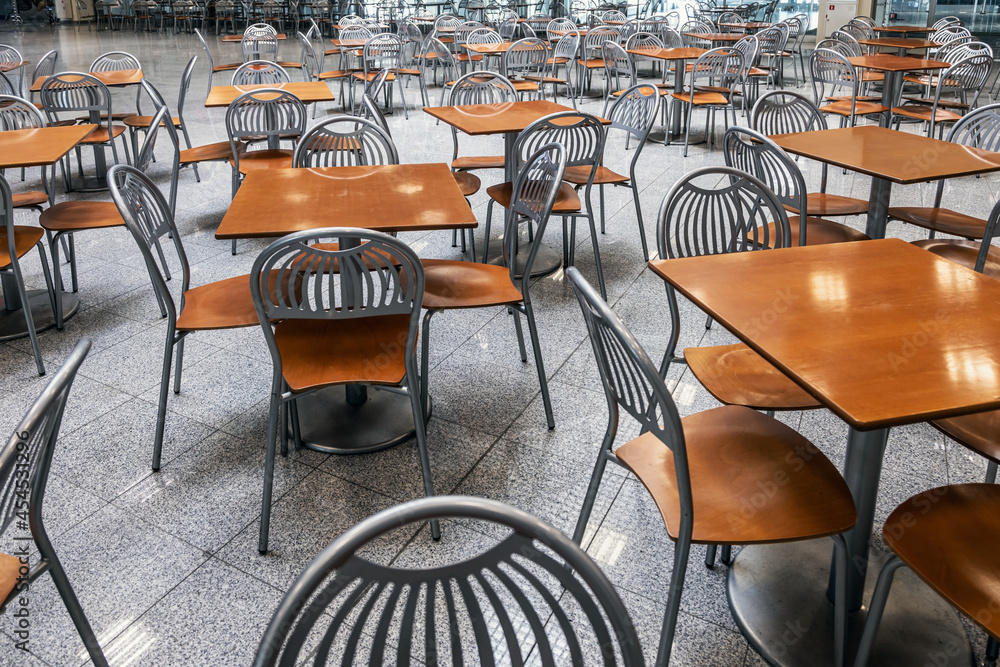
<point x="166" y="564"/>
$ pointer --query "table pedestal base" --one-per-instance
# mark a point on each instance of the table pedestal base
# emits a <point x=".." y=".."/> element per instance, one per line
<point x="546" y="261"/>
<point x="657" y="137"/>
<point x="88" y="184"/>
<point x="777" y="594"/>
<point x="332" y="425"/>
<point x="12" y="324"/>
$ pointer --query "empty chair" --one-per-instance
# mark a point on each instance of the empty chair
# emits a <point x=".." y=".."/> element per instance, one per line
<point x="224" y="304"/>
<point x="212" y="67"/>
<point x="713" y="78"/>
<point x="525" y="63"/>
<point x="342" y="334"/>
<point x="256" y="72"/>
<point x="964" y="79"/>
<point x="25" y="462"/>
<point x="574" y="589"/>
<point x="17" y="113"/>
<point x="46" y="66"/>
<point x="832" y="72"/>
<point x="118" y="61"/>
<point x="135" y="124"/>
<point x="256" y="46"/>
<point x="592" y="55"/>
<point x="344" y="142"/>
<point x="619" y="72"/>
<point x="12" y="59"/>
<point x="382" y="52"/>
<point x="712" y="461"/>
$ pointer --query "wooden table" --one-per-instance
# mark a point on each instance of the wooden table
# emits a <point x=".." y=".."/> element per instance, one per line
<point x="894" y="67"/>
<point x="883" y="334"/>
<point x="349" y="43"/>
<point x="307" y="91"/>
<point x="41" y="147"/>
<point x="239" y="38"/>
<point x="680" y="56"/>
<point x="901" y="44"/>
<point x="903" y="29"/>
<point x="718" y="38"/>
<point x="888" y="156"/>
<point x="117" y="78"/>
<point x="490" y="49"/>
<point x="408" y="197"/>
<point x="752" y="26"/>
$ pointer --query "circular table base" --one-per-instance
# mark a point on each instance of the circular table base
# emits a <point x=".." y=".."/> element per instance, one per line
<point x="546" y="261"/>
<point x="657" y="137"/>
<point x="13" y="325"/>
<point x="777" y="594"/>
<point x="332" y="425"/>
<point x="88" y="184"/>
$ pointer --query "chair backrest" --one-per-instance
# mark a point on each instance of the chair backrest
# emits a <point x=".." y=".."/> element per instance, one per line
<point x="643" y="40"/>
<point x="259" y="47"/>
<point x="462" y="31"/>
<point x="369" y="110"/>
<point x="6" y="87"/>
<point x="507" y="29"/>
<point x="382" y="51"/>
<point x="114" y="61"/>
<point x="785" y="112"/>
<point x="185" y="85"/>
<point x="948" y="33"/>
<point x="482" y="87"/>
<point x="619" y="69"/>
<point x="310" y="61"/>
<point x="204" y="45"/>
<point x="846" y="44"/>
<point x="581" y="135"/>
<point x="264" y="112"/>
<point x="46" y="65"/>
<point x="968" y="76"/>
<point x="627" y="29"/>
<point x="259" y="71"/>
<point x="634" y="112"/>
<point x="443" y="57"/>
<point x="355" y="32"/>
<point x="558" y="24"/>
<point x="613" y="15"/>
<point x="594" y="40"/>
<point x="260" y="29"/>
<point x="772" y="40"/>
<point x="17" y="113"/>
<point x="946" y="21"/>
<point x="830" y="71"/>
<point x="345" y="141"/>
<point x="701" y="216"/>
<point x="146" y="151"/>
<point x="754" y="153"/>
<point x="483" y="36"/>
<point x="858" y="30"/>
<point x="528" y="56"/>
<point x="748" y="45"/>
<point x="864" y="19"/>
<point x="721" y="67"/>
<point x="533" y="572"/>
<point x="568" y="46"/>
<point x="72" y="93"/>
<point x="694" y="27"/>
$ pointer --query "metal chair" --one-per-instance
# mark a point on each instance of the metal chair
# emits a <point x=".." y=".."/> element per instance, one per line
<point x="255" y="46"/>
<point x="307" y="344"/>
<point x="16" y="241"/>
<point x="461" y="37"/>
<point x="754" y="153"/>
<point x="831" y="72"/>
<point x="525" y="64"/>
<point x="442" y="59"/>
<point x="964" y="79"/>
<point x="46" y="66"/>
<point x="592" y="59"/>
<point x="453" y="285"/>
<point x="135" y="124"/>
<point x="980" y="129"/>
<point x="563" y="53"/>
<point x="383" y="51"/>
<point x="577" y="594"/>
<point x="11" y="57"/>
<point x="17" y="113"/>
<point x="254" y="72"/>
<point x="344" y="142"/>
<point x="117" y="61"/>
<point x="212" y="67"/>
<point x="727" y="447"/>
<point x="225" y="304"/>
<point x="619" y="72"/>
<point x="25" y="462"/>
<point x="720" y="71"/>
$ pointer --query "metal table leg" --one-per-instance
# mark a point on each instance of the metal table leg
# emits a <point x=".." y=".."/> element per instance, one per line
<point x="878" y="208"/>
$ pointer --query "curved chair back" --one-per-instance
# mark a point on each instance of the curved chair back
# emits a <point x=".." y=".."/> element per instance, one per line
<point x="259" y="29"/>
<point x="507" y="29"/>
<point x="484" y="36"/>
<point x="73" y="93"/>
<point x="717" y="67"/>
<point x="146" y="152"/>
<point x="566" y="48"/>
<point x="46" y="66"/>
<point x="505" y="583"/>
<point x="310" y="61"/>
<point x="864" y="19"/>
<point x="700" y="216"/>
<point x="785" y="112"/>
<point x="944" y="35"/>
<point x="368" y="110"/>
<point x="259" y="71"/>
<point x="634" y="112"/>
<point x="581" y="135"/>
<point x="613" y="15"/>
<point x="643" y="40"/>
<point x="858" y="31"/>
<point x="265" y="112"/>
<point x="627" y="29"/>
<point x="114" y="61"/>
<point x="482" y="87"/>
<point x="6" y="87"/>
<point x="843" y="43"/>
<point x="830" y="72"/>
<point x="946" y="21"/>
<point x="382" y="51"/>
<point x="345" y="142"/>
<point x="262" y="46"/>
<point x="594" y="40"/>
<point x="17" y="113"/>
<point x="619" y="69"/>
<point x="526" y="57"/>
<point x="563" y="25"/>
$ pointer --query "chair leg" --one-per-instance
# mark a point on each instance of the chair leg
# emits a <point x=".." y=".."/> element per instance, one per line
<point x="75" y="610"/>
<point x="161" y="410"/>
<point x="54" y="249"/>
<point x="600" y="189"/>
<point x="417" y="406"/>
<point x="592" y="489"/>
<point x="425" y="347"/>
<point x="537" y="349"/>
<point x="992" y="650"/>
<point x="991" y="473"/>
<point x="840" y="601"/>
<point x="178" y="365"/>
<point x="597" y="250"/>
<point x="875" y="609"/>
<point x="681" y="551"/>
<point x="272" y="428"/>
<point x="638" y="215"/>
<point x="486" y="234"/>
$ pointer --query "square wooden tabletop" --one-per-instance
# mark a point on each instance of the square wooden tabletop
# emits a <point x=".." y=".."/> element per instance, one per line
<point x="501" y="47"/>
<point x="681" y="53"/>
<point x="899" y="42"/>
<point x="904" y="29"/>
<point x="239" y="38"/>
<point x="122" y="77"/>
<point x="307" y="91"/>
<point x="41" y="146"/>
<point x="881" y="332"/>
<point x="899" y="157"/>
<point x="886" y="62"/>
<point x="480" y="119"/>
<point x="404" y="197"/>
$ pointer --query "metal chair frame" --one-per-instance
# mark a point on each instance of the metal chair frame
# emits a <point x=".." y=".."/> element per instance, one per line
<point x="526" y="59"/>
<point x="965" y="78"/>
<point x="830" y="71"/>
<point x="254" y="72"/>
<point x="346" y="141"/>
<point x="720" y="69"/>
<point x="383" y="51"/>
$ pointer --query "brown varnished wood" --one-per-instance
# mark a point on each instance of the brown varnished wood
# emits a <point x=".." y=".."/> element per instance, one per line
<point x="25" y="239"/>
<point x="226" y="67"/>
<point x="224" y="304"/>
<point x="406" y="197"/>
<point x="220" y="150"/>
<point x="962" y="252"/>
<point x="820" y="231"/>
<point x="144" y="121"/>
<point x="478" y="162"/>
<point x="736" y="375"/>
<point x="490" y="49"/>
<point x="579" y="175"/>
<point x="468" y="184"/>
<point x="348" y="43"/>
<point x="715" y="36"/>
<point x="881" y="332"/>
<point x="858" y="108"/>
<point x="122" y="77"/>
<point x="885" y="62"/>
<point x="69" y="216"/>
<point x="30" y="199"/>
<point x="10" y="67"/>
<point x="272" y="158"/>
<point x="926" y="113"/>
<point x="101" y="135"/>
<point x="480" y="119"/>
<point x="567" y="199"/>
<point x="318" y="353"/>
<point x="701" y="98"/>
<point x="451" y="284"/>
<point x="239" y="38"/>
<point x="307" y="91"/>
<point x="909" y="43"/>
<point x="979" y="432"/>
<point x="9" y="571"/>
<point x="946" y="536"/>
<point x="40" y="146"/>
<point x="884" y="153"/>
<point x="730" y="450"/>
<point x="680" y="53"/>
<point x="941" y="220"/>
<point x="823" y="204"/>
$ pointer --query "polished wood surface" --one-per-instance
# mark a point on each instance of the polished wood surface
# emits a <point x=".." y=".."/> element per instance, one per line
<point x="940" y="220"/>
<point x="488" y="49"/>
<point x="307" y="91"/>
<point x="716" y="36"/>
<point x="567" y="198"/>
<point x="77" y="215"/>
<point x="406" y="197"/>
<point x="965" y="253"/>
<point x="684" y="53"/>
<point x="479" y="119"/>
<point x="885" y="62"/>
<point x="239" y="38"/>
<point x="478" y="162"/>
<point x="123" y="77"/>
<point x="25" y="238"/>
<point x="730" y="450"/>
<point x="736" y="375"/>
<point x="881" y="332"/>
<point x="9" y="572"/>
<point x="903" y="29"/>
<point x="900" y="157"/>
<point x="823" y="204"/>
<point x="898" y="43"/>
<point x="224" y="304"/>
<point x="10" y="67"/>
<point x="979" y="432"/>
<point x="349" y="43"/>
<point x="947" y="537"/>
<point x="468" y="183"/>
<point x="41" y="146"/>
<point x="220" y="150"/>
<point x="451" y="284"/>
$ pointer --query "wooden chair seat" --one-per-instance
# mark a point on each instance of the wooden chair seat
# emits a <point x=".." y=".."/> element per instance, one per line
<point x="144" y="121"/>
<point x="468" y="183"/>
<point x="319" y="353"/>
<point x="225" y="67"/>
<point x="662" y="89"/>
<point x="965" y="253"/>
<point x="25" y="238"/>
<point x="71" y="216"/>
<point x="9" y="571"/>
<point x="943" y="536"/>
<point x="701" y="99"/>
<point x="578" y="175"/>
<point x="868" y="76"/>
<point x="335" y="74"/>
<point x="406" y="71"/>
<point x="861" y="108"/>
<point x="758" y="71"/>
<point x="361" y="76"/>
<point x="923" y="112"/>
<point x="289" y="64"/>
<point x="478" y="162"/>
<point x="567" y="199"/>
<point x="940" y="220"/>
<point x="274" y="158"/>
<point x="821" y="232"/>
<point x="450" y="284"/>
<point x="736" y="375"/>
<point x="100" y="134"/>
<point x="224" y="304"/>
<point x="32" y="199"/>
<point x="948" y="104"/>
<point x="594" y="63"/>
<point x="731" y="452"/>
<point x="207" y="153"/>
<point x="978" y="432"/>
<point x="547" y="79"/>
<point x="467" y="57"/>
<point x="822" y="204"/>
<point x="525" y="86"/>
<point x="557" y="61"/>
